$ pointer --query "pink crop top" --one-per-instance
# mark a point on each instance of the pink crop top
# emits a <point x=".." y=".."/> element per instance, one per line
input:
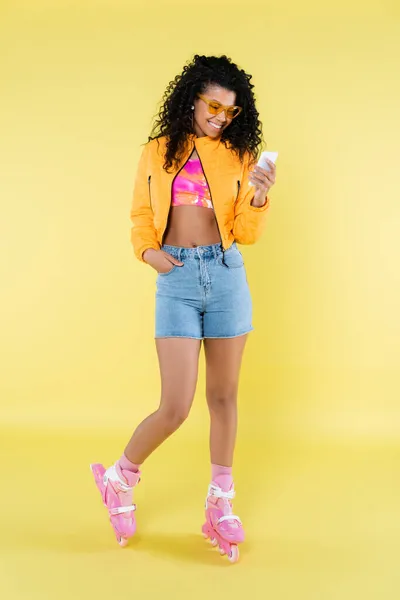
<point x="190" y="186"/>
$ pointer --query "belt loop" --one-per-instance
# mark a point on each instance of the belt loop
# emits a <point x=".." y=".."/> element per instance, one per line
<point x="179" y="254"/>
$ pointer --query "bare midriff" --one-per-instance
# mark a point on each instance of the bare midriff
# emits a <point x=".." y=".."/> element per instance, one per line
<point x="190" y="226"/>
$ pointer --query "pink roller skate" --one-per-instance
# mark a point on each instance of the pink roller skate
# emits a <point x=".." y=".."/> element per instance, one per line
<point x="222" y="527"/>
<point x="116" y="489"/>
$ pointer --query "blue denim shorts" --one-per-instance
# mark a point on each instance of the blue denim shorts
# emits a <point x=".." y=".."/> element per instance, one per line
<point x="208" y="297"/>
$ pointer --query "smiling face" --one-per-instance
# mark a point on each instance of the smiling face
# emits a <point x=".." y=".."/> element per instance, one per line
<point x="206" y="123"/>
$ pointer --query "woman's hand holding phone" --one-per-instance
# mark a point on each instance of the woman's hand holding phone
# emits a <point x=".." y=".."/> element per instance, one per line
<point x="262" y="177"/>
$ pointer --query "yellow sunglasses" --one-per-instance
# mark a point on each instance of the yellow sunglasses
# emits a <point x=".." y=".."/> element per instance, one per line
<point x="215" y="108"/>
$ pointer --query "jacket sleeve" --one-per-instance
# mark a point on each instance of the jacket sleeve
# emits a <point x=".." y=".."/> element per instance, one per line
<point x="143" y="232"/>
<point x="249" y="221"/>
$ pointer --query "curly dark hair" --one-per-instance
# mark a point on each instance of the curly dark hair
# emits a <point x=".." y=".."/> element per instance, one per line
<point x="244" y="134"/>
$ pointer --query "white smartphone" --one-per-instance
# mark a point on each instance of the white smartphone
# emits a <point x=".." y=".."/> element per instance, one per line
<point x="262" y="162"/>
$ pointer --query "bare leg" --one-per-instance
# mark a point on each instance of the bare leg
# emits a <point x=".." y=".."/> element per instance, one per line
<point x="178" y="360"/>
<point x="223" y="362"/>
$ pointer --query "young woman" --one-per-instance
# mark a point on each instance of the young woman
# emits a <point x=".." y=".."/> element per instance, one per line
<point x="197" y="192"/>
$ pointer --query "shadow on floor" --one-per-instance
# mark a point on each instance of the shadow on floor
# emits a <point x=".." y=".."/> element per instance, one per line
<point x="180" y="547"/>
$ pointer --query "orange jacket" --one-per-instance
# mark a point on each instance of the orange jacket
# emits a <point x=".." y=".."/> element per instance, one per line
<point x="227" y="178"/>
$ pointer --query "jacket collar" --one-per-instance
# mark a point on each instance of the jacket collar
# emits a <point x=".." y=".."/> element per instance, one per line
<point x="204" y="140"/>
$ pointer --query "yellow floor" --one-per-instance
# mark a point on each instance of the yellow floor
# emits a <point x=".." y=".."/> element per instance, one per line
<point x="322" y="521"/>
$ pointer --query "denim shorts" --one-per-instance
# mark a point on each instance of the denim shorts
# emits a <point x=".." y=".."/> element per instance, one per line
<point x="208" y="297"/>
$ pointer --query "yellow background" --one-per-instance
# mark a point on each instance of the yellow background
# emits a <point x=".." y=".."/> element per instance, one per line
<point x="318" y="452"/>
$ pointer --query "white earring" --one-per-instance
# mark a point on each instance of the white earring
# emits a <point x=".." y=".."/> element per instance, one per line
<point x="192" y="107"/>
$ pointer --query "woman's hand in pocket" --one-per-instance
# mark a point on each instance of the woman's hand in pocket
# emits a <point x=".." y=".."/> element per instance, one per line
<point x="161" y="261"/>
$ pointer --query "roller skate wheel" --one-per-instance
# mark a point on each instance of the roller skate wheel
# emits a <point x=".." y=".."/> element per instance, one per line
<point x="233" y="556"/>
<point x="122" y="542"/>
<point x="222" y="551"/>
<point x="213" y="542"/>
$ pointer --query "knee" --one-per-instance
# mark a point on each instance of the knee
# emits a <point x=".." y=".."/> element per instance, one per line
<point x="222" y="401"/>
<point x="173" y="416"/>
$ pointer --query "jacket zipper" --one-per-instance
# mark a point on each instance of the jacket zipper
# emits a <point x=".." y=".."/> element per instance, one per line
<point x="148" y="180"/>
<point x="215" y="215"/>
<point x="238" y="192"/>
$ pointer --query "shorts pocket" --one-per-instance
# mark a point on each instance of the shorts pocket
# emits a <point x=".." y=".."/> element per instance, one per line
<point x="174" y="267"/>
<point x="232" y="259"/>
